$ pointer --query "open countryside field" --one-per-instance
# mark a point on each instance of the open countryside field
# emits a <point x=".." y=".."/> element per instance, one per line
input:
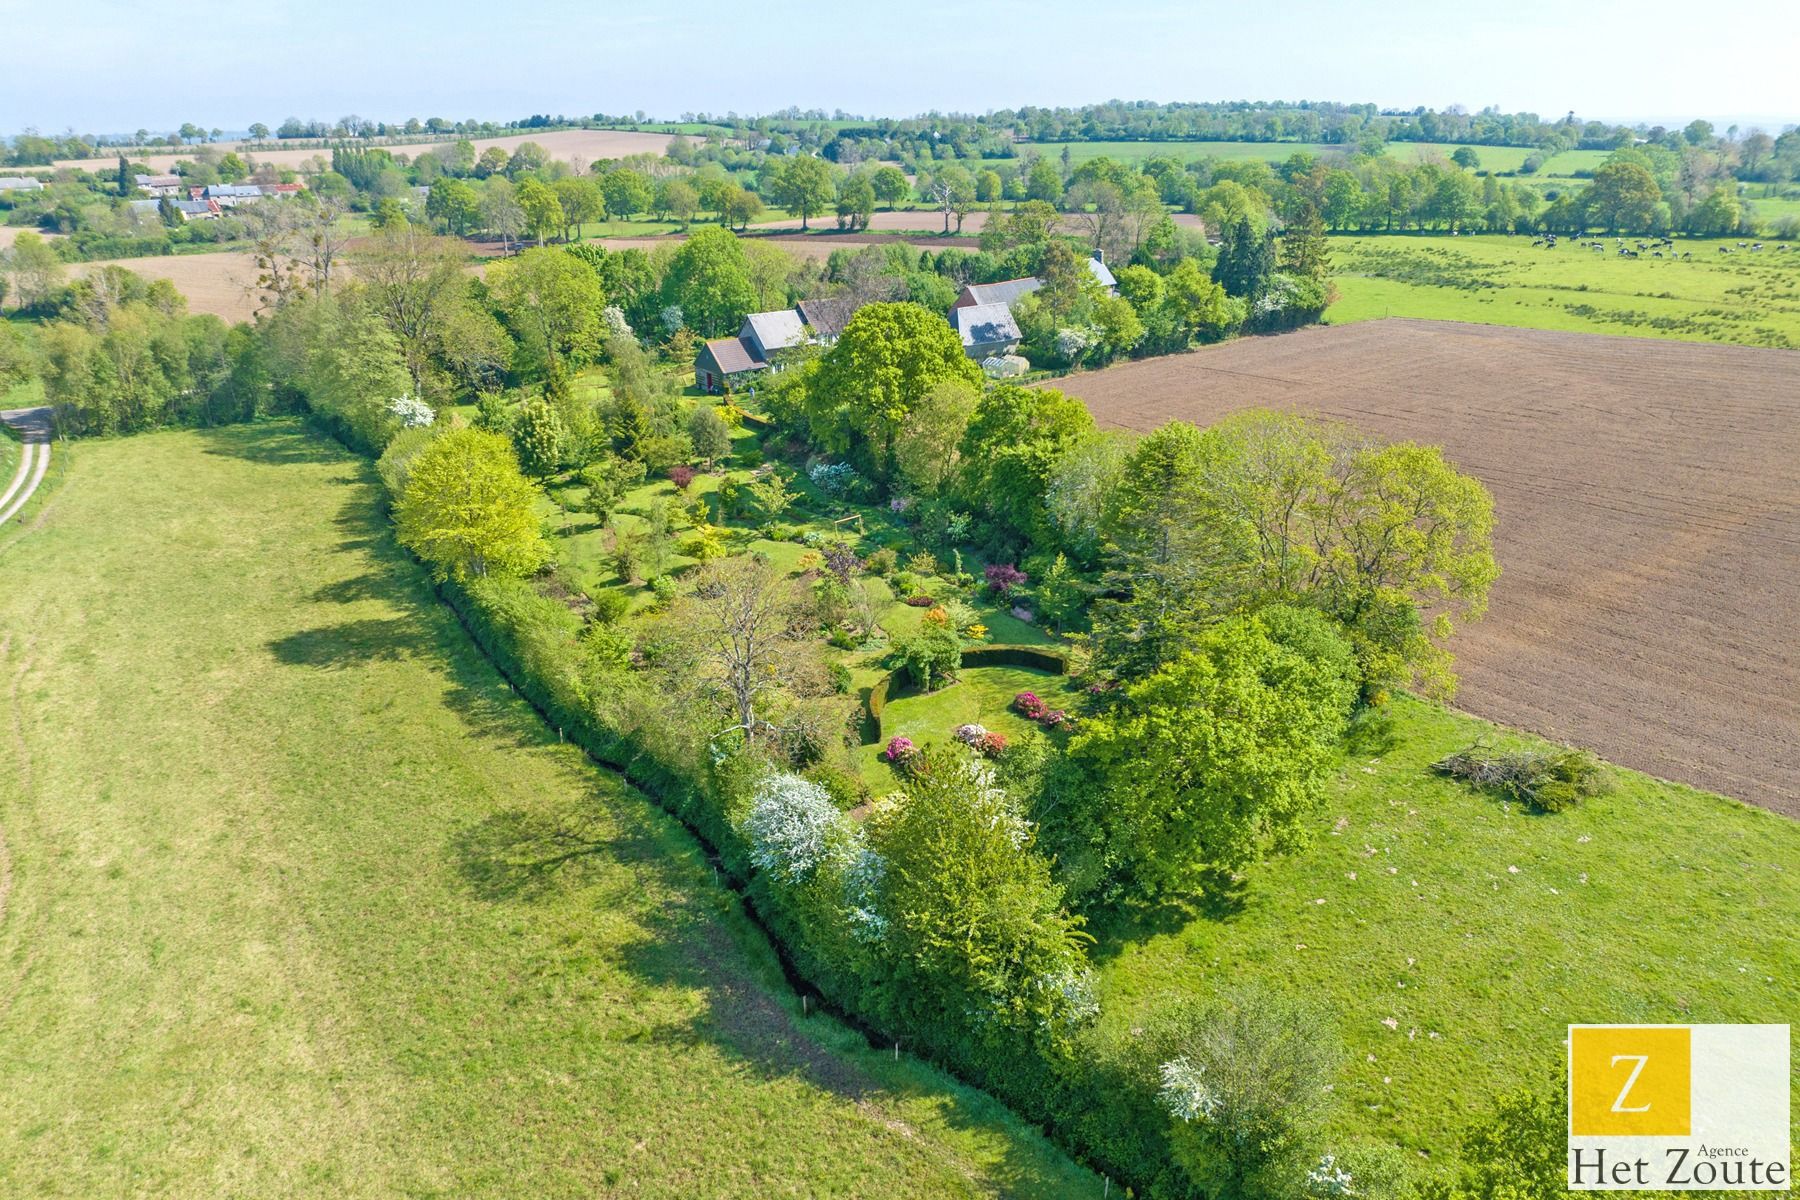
<point x="1747" y="298"/>
<point x="296" y="898"/>
<point x="1493" y="158"/>
<point x="222" y="284"/>
<point x="589" y="144"/>
<point x="1648" y="520"/>
<point x="1454" y="938"/>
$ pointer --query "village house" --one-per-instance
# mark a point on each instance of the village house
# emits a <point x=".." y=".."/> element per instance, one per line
<point x="726" y="364"/>
<point x="19" y="183"/>
<point x="229" y="195"/>
<point x="160" y="185"/>
<point x="987" y="330"/>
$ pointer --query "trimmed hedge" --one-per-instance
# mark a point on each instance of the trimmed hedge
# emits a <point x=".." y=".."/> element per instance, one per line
<point x="1033" y="657"/>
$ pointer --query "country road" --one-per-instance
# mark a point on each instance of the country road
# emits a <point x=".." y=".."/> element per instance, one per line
<point x="34" y="423"/>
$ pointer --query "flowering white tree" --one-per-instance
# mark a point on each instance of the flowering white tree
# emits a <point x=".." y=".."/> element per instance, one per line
<point x="613" y="317"/>
<point x="411" y="412"/>
<point x="793" y="827"/>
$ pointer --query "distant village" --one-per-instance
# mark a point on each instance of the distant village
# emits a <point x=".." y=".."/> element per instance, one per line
<point x="196" y="203"/>
<point x="982" y="317"/>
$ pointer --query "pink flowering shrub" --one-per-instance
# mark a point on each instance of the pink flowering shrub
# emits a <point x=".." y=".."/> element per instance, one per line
<point x="681" y="476"/>
<point x="1030" y="706"/>
<point x="993" y="745"/>
<point x="899" y="750"/>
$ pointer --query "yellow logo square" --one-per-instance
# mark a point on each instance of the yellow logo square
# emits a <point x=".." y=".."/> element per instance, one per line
<point x="1630" y="1081"/>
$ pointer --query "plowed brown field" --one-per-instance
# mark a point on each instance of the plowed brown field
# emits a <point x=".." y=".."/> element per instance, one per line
<point x="1647" y="495"/>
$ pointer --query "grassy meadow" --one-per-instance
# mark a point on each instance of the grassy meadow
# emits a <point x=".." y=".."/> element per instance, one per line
<point x="1452" y="937"/>
<point x="297" y="899"/>
<point x="1493" y="158"/>
<point x="1743" y="298"/>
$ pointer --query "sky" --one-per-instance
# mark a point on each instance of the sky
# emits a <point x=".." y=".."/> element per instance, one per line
<point x="110" y="66"/>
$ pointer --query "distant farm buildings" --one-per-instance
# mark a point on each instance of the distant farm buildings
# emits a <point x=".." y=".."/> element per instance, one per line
<point x="982" y="317"/>
<point x="19" y="183"/>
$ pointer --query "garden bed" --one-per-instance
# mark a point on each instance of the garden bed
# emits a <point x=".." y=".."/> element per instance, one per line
<point x="980" y="696"/>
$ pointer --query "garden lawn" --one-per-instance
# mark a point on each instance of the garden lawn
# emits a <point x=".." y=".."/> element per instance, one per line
<point x="979" y="696"/>
<point x="1451" y="938"/>
<point x="297" y="899"/>
<point x="1743" y="298"/>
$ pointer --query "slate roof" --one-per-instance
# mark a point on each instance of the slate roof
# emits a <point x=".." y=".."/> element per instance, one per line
<point x="827" y="317"/>
<point x="779" y="330"/>
<point x="984" y="324"/>
<point x="734" y="355"/>
<point x="1005" y="292"/>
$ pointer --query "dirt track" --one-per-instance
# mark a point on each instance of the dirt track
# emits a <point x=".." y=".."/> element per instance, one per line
<point x="1648" y="503"/>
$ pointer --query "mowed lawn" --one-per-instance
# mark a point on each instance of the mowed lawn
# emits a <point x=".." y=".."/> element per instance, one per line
<point x="296" y="899"/>
<point x="1452" y="938"/>
<point x="1750" y="299"/>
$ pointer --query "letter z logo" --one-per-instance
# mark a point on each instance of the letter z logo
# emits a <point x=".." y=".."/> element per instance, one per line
<point x="1640" y="1060"/>
<point x="1630" y="1080"/>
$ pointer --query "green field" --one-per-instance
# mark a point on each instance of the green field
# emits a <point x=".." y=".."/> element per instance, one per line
<point x="299" y="900"/>
<point x="1481" y="931"/>
<point x="1493" y="158"/>
<point x="1743" y="298"/>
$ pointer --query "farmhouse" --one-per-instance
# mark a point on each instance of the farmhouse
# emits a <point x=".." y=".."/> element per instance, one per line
<point x="764" y="339"/>
<point x="982" y="314"/>
<point x="1006" y="292"/>
<point x="725" y="364"/>
<point x="190" y="210"/>
<point x="19" y="183"/>
<point x="987" y="330"/>
<point x="229" y="195"/>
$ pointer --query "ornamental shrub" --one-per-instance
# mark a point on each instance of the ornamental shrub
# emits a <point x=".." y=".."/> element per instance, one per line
<point x="792" y="827"/>
<point x="1004" y="577"/>
<point x="899" y="749"/>
<point x="930" y="657"/>
<point x="682" y="476"/>
<point x="834" y="479"/>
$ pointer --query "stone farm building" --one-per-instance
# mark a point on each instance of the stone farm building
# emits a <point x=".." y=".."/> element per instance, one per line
<point x="727" y="364"/>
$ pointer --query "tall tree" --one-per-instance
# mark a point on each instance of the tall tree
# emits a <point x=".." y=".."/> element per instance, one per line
<point x="468" y="511"/>
<point x="801" y="184"/>
<point x="552" y="300"/>
<point x="888" y="358"/>
<point x="412" y="280"/>
<point x="709" y="278"/>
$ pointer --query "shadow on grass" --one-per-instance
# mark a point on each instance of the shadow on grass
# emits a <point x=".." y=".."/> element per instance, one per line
<point x="1221" y="898"/>
<point x="274" y="443"/>
<point x="349" y="644"/>
<point x="526" y="856"/>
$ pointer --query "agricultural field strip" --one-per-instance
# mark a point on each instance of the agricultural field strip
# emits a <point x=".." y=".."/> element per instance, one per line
<point x="1645" y="576"/>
